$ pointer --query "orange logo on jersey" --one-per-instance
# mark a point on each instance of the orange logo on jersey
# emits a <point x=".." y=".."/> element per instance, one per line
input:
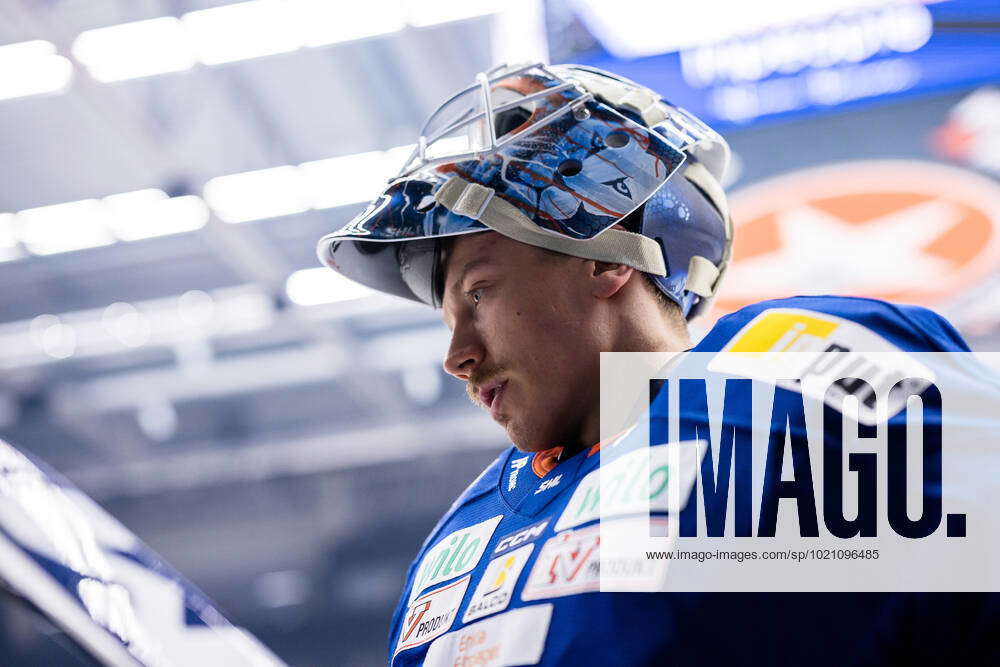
<point x="899" y="230"/>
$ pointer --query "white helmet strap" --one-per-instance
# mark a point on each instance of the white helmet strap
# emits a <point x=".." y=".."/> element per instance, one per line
<point x="704" y="277"/>
<point x="612" y="245"/>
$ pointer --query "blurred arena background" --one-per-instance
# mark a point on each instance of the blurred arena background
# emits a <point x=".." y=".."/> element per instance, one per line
<point x="286" y="439"/>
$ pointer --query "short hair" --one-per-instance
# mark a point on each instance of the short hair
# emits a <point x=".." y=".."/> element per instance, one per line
<point x="665" y="303"/>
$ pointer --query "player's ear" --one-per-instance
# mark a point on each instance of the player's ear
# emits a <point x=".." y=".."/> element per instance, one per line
<point x="609" y="279"/>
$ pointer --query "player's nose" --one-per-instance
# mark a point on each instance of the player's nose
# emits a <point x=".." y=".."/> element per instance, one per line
<point x="464" y="354"/>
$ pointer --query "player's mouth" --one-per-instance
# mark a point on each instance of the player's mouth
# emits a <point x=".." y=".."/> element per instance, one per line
<point x="491" y="396"/>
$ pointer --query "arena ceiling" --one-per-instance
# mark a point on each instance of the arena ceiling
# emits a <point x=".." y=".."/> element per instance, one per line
<point x="160" y="206"/>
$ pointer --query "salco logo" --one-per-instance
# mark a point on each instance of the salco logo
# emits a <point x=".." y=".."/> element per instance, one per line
<point x="496" y="587"/>
<point x="905" y="231"/>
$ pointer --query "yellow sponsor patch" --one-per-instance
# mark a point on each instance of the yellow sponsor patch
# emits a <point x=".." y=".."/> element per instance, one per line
<point x="781" y="331"/>
<point x="822" y="357"/>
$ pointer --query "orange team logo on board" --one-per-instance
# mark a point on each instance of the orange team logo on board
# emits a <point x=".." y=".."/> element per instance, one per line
<point x="904" y="231"/>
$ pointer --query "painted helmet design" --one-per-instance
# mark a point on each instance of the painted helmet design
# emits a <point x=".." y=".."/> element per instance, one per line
<point x="567" y="158"/>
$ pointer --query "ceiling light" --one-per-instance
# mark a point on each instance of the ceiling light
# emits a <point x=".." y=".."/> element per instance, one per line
<point x="9" y="247"/>
<point x="519" y="34"/>
<point x="126" y="324"/>
<point x="62" y="227"/>
<point x="346" y="180"/>
<point x="395" y="158"/>
<point x="157" y="419"/>
<point x="253" y="195"/>
<point x="56" y="339"/>
<point x="321" y="22"/>
<point x="241" y="31"/>
<point x="132" y="50"/>
<point x="432" y="12"/>
<point x="196" y="309"/>
<point x="147" y="213"/>
<point x="32" y="68"/>
<point x="311" y="287"/>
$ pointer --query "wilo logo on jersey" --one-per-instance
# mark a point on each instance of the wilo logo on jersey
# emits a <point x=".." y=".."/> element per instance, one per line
<point x="431" y="615"/>
<point x="453" y="556"/>
<point x="496" y="586"/>
<point x="633" y="483"/>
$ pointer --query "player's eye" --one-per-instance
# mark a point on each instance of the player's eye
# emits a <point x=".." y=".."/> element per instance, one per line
<point x="475" y="295"/>
<point x="620" y="186"/>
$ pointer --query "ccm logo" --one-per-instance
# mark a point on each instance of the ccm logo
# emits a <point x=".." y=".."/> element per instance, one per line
<point x="520" y="537"/>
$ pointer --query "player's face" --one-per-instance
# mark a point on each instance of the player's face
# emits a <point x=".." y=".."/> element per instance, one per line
<point x="523" y="339"/>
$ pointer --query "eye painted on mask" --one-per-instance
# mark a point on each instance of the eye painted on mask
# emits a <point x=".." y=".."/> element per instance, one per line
<point x="619" y="186"/>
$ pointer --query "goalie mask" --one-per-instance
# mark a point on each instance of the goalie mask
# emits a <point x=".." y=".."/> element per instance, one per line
<point x="566" y="158"/>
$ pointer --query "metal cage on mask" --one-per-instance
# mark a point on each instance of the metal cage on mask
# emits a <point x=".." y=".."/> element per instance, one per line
<point x="555" y="157"/>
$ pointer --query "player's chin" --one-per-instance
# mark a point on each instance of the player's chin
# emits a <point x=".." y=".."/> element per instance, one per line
<point x="527" y="438"/>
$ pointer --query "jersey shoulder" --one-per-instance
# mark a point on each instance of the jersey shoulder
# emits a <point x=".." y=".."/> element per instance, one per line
<point x="854" y="322"/>
<point x="458" y="515"/>
<point x="487" y="480"/>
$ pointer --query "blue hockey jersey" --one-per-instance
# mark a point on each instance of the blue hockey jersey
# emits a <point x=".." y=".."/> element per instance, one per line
<point x="509" y="575"/>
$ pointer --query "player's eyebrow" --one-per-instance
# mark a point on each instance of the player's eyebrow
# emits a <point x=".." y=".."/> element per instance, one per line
<point x="469" y="266"/>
